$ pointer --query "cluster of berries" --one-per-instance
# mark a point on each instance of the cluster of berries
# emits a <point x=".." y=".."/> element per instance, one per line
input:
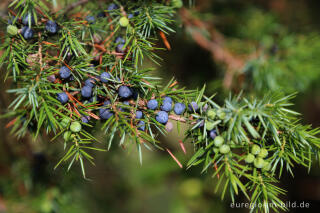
<point x="26" y="23"/>
<point x="257" y="157"/>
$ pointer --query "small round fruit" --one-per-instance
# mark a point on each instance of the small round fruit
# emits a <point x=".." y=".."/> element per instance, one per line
<point x="90" y="19"/>
<point x="25" y="20"/>
<point x="90" y="82"/>
<point x="112" y="6"/>
<point x="62" y="97"/>
<point x="124" y="92"/>
<point x="179" y="108"/>
<point x="139" y="114"/>
<point x="193" y="107"/>
<point x="152" y="104"/>
<point x="255" y="149"/>
<point x="250" y="158"/>
<point x="162" y="117"/>
<point x="104" y="77"/>
<point x="67" y="135"/>
<point x="51" y="27"/>
<point x="169" y="126"/>
<point x="218" y="141"/>
<point x="124" y="21"/>
<point x="209" y="125"/>
<point x="120" y="48"/>
<point x="75" y="126"/>
<point x="211" y="114"/>
<point x="224" y="149"/>
<point x="12" y="30"/>
<point x="177" y="3"/>
<point x="141" y="125"/>
<point x="105" y="114"/>
<point x="258" y="163"/>
<point x="263" y="153"/>
<point x="27" y="32"/>
<point x="266" y="166"/>
<point x="65" y="122"/>
<point x="86" y="91"/>
<point x="221" y="114"/>
<point x="166" y="106"/>
<point x="213" y="134"/>
<point x="64" y="72"/>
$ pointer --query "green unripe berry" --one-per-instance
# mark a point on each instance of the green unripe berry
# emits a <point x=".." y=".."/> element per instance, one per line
<point x="263" y="153"/>
<point x="255" y="149"/>
<point x="211" y="114"/>
<point x="221" y="114"/>
<point x="124" y="21"/>
<point x="209" y="125"/>
<point x="177" y="3"/>
<point x="75" y="126"/>
<point x="200" y="138"/>
<point x="65" y="122"/>
<point x="224" y="149"/>
<point x="67" y="135"/>
<point x="12" y="30"/>
<point x="266" y="166"/>
<point x="218" y="141"/>
<point x="259" y="163"/>
<point x="250" y="158"/>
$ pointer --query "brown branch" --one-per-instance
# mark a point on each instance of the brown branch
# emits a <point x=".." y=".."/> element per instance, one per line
<point x="215" y="46"/>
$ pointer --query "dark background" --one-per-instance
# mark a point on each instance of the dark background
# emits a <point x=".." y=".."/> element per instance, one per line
<point x="119" y="183"/>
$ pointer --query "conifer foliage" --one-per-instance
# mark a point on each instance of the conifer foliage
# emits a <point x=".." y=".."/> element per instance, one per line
<point x="77" y="70"/>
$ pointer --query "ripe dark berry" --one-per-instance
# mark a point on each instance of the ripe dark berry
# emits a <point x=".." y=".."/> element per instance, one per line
<point x="25" y="20"/>
<point x="139" y="115"/>
<point x="120" y="40"/>
<point x="166" y="106"/>
<point x="141" y="125"/>
<point x="213" y="134"/>
<point x="64" y="72"/>
<point x="104" y="77"/>
<point x="86" y="91"/>
<point x="124" y="92"/>
<point x="27" y="32"/>
<point x="105" y="113"/>
<point x="89" y="82"/>
<point x="200" y="123"/>
<point x="162" y="117"/>
<point x="112" y="6"/>
<point x="120" y="48"/>
<point x="152" y="104"/>
<point x="130" y="16"/>
<point x="62" y="97"/>
<point x="51" y="27"/>
<point x="179" y="108"/>
<point x="193" y="106"/>
<point x="167" y="99"/>
<point x="90" y="19"/>
<point x="85" y="119"/>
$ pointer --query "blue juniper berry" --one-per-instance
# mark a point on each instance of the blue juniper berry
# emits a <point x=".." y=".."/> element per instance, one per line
<point x="139" y="114"/>
<point x="193" y="106"/>
<point x="62" y="97"/>
<point x="105" y="114"/>
<point x="90" y="82"/>
<point x="120" y="48"/>
<point x="152" y="104"/>
<point x="167" y="99"/>
<point x="213" y="134"/>
<point x="141" y="125"/>
<point x="51" y="78"/>
<point x="162" y="117"/>
<point x="166" y="106"/>
<point x="25" y="20"/>
<point x="124" y="92"/>
<point x="85" y="119"/>
<point x="86" y="91"/>
<point x="179" y="108"/>
<point x="27" y="32"/>
<point x="51" y="27"/>
<point x="120" y="40"/>
<point x="104" y="77"/>
<point x="64" y="72"/>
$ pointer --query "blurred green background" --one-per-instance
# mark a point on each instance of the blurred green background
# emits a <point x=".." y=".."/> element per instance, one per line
<point x="119" y="183"/>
